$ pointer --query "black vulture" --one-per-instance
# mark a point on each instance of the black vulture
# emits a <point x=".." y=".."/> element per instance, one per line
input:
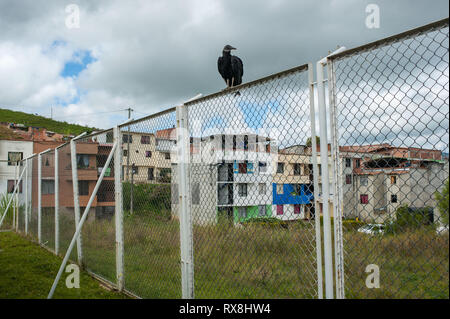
<point x="230" y="67"/>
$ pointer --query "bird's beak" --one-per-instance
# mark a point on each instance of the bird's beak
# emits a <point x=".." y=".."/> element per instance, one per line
<point x="233" y="48"/>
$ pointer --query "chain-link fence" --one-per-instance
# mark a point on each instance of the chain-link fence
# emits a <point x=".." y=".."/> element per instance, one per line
<point x="225" y="196"/>
<point x="391" y="102"/>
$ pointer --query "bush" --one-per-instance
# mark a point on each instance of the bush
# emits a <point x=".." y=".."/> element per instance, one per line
<point x="442" y="199"/>
<point x="408" y="218"/>
<point x="148" y="199"/>
<point x="267" y="221"/>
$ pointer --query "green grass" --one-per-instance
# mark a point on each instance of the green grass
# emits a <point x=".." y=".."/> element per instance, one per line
<point x="28" y="271"/>
<point x="41" y="121"/>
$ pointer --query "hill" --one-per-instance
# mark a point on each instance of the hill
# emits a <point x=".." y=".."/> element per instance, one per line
<point x="41" y="121"/>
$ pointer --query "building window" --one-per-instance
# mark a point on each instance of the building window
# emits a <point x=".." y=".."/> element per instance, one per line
<point x="82" y="161"/>
<point x="242" y="212"/>
<point x="393" y="198"/>
<point x="125" y="153"/>
<point x="348" y="162"/>
<point x="167" y="156"/>
<point x="262" y="189"/>
<point x="151" y="173"/>
<point x="364" y="198"/>
<point x="48" y="187"/>
<point x="11" y="184"/>
<point x="348" y="179"/>
<point x="46" y="162"/>
<point x="393" y="180"/>
<point x="279" y="189"/>
<point x="134" y="169"/>
<point x="14" y="157"/>
<point x="319" y="168"/>
<point x="358" y="163"/>
<point x="364" y="180"/>
<point x="127" y="138"/>
<point x="83" y="188"/>
<point x="243" y="168"/>
<point x="262" y="167"/>
<point x="297" y="209"/>
<point x="242" y="190"/>
<point x="148" y="153"/>
<point x="297" y="189"/>
<point x="109" y="137"/>
<point x="280" y="210"/>
<point x="262" y="210"/>
<point x="297" y="169"/>
<point x="280" y="168"/>
<point x="196" y="193"/>
<point x="145" y="139"/>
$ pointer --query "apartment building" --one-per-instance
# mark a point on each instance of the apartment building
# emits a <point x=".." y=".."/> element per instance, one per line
<point x="147" y="156"/>
<point x="377" y="179"/>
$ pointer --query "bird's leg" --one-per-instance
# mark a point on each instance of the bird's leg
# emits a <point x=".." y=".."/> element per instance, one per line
<point x="228" y="83"/>
<point x="232" y="81"/>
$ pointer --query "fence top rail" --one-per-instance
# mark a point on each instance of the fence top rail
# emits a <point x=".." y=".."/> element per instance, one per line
<point x="94" y="134"/>
<point x="385" y="41"/>
<point x="147" y="117"/>
<point x="248" y="84"/>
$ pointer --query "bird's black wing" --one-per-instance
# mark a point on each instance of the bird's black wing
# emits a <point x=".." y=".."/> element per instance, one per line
<point x="220" y="66"/>
<point x="238" y="69"/>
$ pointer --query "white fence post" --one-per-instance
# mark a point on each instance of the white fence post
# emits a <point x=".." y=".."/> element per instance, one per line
<point x="26" y="196"/>
<point x="338" y="196"/>
<point x="16" y="183"/>
<point x="119" y="210"/>
<point x="39" y="196"/>
<point x="56" y="159"/>
<point x="316" y="182"/>
<point x="183" y="156"/>
<point x="76" y="199"/>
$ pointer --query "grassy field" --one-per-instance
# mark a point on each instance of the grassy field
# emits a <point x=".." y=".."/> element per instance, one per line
<point x="258" y="261"/>
<point x="28" y="271"/>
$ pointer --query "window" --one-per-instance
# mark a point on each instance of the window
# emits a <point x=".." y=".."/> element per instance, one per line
<point x="167" y="156"/>
<point x="151" y="173"/>
<point x="297" y="189"/>
<point x="319" y="168"/>
<point x="364" y="198"/>
<point x="393" y="180"/>
<point x="280" y="168"/>
<point x="297" y="209"/>
<point x="145" y="139"/>
<point x="243" y="168"/>
<point x="262" y="167"/>
<point x="242" y="189"/>
<point x="134" y="169"/>
<point x="348" y="162"/>
<point x="195" y="193"/>
<point x="280" y="210"/>
<point x="262" y="189"/>
<point x="242" y="212"/>
<point x="11" y="185"/>
<point x="14" y="157"/>
<point x="262" y="211"/>
<point x="148" y="153"/>
<point x="297" y="169"/>
<point x="393" y="198"/>
<point x="125" y="153"/>
<point x="348" y="179"/>
<point x="245" y="142"/>
<point x="280" y="189"/>
<point x="127" y="138"/>
<point x="82" y="161"/>
<point x="109" y="137"/>
<point x="46" y="162"/>
<point x="48" y="186"/>
<point x="358" y="163"/>
<point x="83" y="188"/>
<point x="364" y="180"/>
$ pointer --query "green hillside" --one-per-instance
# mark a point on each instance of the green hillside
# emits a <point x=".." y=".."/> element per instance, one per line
<point x="40" y="121"/>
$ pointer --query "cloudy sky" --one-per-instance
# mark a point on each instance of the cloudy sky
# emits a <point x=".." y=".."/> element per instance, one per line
<point x="151" y="55"/>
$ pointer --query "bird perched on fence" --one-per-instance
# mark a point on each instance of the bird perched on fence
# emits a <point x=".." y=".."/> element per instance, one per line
<point x="230" y="67"/>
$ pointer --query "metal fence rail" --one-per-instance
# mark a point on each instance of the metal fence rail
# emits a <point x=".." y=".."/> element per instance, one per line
<point x="263" y="190"/>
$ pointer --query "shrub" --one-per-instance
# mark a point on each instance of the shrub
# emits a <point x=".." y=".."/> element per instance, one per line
<point x="408" y="218"/>
<point x="442" y="199"/>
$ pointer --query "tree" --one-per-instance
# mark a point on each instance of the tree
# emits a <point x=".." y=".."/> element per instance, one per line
<point x="442" y="199"/>
<point x="309" y="141"/>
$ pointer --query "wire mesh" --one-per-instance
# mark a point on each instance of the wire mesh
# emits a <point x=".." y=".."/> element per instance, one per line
<point x="9" y="169"/>
<point x="392" y="115"/>
<point x="151" y="229"/>
<point x="98" y="233"/>
<point x="33" y="217"/>
<point x="252" y="195"/>
<point x="48" y="200"/>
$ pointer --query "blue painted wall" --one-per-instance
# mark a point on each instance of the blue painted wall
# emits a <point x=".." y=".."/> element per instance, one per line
<point x="287" y="197"/>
